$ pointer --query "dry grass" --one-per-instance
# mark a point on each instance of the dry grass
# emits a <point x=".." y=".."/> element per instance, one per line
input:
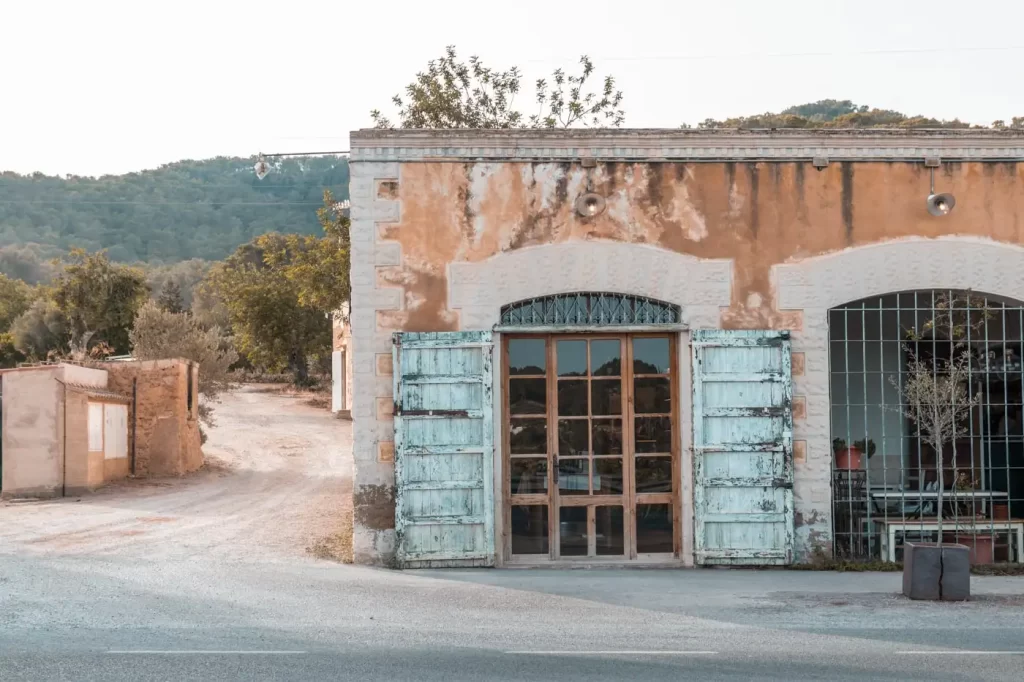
<point x="998" y="569"/>
<point x="322" y="402"/>
<point x="821" y="562"/>
<point x="338" y="545"/>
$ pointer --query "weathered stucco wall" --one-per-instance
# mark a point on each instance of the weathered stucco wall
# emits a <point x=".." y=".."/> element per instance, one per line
<point x="32" y="433"/>
<point x="755" y="214"/>
<point x="84" y="376"/>
<point x="82" y="472"/>
<point x="167" y="440"/>
<point x="442" y="245"/>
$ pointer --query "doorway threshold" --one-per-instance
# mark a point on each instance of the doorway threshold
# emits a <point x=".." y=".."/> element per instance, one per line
<point x="590" y="564"/>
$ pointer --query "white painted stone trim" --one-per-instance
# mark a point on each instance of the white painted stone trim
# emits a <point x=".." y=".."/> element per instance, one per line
<point x="700" y="287"/>
<point x="685" y="145"/>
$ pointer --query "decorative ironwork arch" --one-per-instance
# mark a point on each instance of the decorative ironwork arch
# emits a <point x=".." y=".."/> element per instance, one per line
<point x="590" y="309"/>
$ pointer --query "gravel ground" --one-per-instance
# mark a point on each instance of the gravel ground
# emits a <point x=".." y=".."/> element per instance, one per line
<point x="278" y="479"/>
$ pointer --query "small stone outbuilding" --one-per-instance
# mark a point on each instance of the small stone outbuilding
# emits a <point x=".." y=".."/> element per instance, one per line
<point x="69" y="429"/>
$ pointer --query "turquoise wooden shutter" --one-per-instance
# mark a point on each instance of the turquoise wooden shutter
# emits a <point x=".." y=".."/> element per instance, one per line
<point x="743" y="447"/>
<point x="444" y="455"/>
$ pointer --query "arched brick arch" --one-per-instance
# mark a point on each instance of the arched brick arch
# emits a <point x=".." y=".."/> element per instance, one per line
<point x="700" y="287"/>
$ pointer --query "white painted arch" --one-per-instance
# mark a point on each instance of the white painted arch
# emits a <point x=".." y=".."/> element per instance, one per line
<point x="850" y="275"/>
<point x="700" y="287"/>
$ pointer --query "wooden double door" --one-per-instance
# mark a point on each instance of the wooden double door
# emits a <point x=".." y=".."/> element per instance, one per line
<point x="591" y="447"/>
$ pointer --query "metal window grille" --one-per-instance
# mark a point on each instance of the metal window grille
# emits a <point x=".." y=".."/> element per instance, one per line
<point x="599" y="309"/>
<point x="884" y="488"/>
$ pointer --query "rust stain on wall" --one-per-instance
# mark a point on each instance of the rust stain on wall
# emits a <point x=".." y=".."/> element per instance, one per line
<point x="758" y="215"/>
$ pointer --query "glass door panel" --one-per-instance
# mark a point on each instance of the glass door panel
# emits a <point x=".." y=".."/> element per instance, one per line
<point x="591" y="494"/>
<point x="591" y="441"/>
<point x="655" y="485"/>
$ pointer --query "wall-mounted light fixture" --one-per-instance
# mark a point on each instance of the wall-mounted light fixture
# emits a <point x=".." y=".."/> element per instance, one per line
<point x="938" y="204"/>
<point x="590" y="203"/>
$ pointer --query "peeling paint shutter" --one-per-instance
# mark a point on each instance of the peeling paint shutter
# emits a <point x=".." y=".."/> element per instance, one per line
<point x="743" y="447"/>
<point x="443" y="448"/>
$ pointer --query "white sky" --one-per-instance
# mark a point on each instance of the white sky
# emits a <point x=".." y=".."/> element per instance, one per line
<point x="110" y="87"/>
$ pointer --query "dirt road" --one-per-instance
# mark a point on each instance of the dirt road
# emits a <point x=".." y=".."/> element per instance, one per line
<point x="278" y="480"/>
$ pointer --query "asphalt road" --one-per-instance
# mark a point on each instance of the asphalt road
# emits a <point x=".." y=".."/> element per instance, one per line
<point x="95" y="618"/>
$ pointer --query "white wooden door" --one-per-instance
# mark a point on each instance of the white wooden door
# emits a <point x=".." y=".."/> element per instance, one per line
<point x="444" y="449"/>
<point x="743" y="447"/>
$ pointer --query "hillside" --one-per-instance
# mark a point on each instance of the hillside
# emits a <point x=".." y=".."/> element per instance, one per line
<point x="180" y="211"/>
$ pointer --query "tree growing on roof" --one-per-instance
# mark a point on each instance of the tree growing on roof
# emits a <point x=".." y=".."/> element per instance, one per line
<point x="452" y="93"/>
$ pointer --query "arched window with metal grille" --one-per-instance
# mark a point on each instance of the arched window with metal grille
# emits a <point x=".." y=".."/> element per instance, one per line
<point x="891" y="357"/>
<point x="590" y="309"/>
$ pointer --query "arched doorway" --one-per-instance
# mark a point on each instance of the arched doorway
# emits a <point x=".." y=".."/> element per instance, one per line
<point x="590" y="428"/>
<point x="884" y="472"/>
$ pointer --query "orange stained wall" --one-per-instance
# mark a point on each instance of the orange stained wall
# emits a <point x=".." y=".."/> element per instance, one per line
<point x="757" y="214"/>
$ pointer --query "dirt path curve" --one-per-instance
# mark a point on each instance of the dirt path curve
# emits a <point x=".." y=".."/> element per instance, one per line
<point x="278" y="477"/>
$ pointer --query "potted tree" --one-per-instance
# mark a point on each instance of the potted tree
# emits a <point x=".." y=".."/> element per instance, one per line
<point x="980" y="544"/>
<point x="935" y="398"/>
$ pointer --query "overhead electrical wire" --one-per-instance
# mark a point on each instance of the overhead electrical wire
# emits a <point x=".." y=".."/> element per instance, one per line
<point x="771" y="55"/>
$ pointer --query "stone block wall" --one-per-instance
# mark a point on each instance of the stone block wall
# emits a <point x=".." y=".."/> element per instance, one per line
<point x="373" y="427"/>
<point x="167" y="439"/>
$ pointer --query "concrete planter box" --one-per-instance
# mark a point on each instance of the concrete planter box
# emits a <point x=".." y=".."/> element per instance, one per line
<point x="936" y="572"/>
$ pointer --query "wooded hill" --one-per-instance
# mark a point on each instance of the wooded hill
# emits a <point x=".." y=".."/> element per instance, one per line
<point x="180" y="211"/>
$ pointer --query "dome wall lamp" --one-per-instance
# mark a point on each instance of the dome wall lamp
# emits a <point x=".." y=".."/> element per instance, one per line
<point x="590" y="204"/>
<point x="939" y="204"/>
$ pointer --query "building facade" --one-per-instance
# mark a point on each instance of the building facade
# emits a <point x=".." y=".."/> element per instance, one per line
<point x="654" y="346"/>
